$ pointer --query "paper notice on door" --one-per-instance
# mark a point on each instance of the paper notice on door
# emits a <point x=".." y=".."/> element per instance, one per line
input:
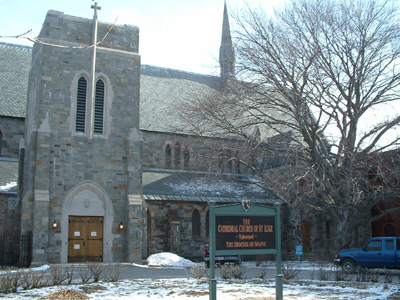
<point x="77" y="246"/>
<point x="93" y="233"/>
<point x="77" y="233"/>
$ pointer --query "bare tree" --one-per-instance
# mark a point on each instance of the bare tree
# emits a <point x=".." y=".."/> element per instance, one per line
<point x="324" y="76"/>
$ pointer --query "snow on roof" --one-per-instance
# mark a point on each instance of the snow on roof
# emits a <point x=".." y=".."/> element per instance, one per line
<point x="8" y="187"/>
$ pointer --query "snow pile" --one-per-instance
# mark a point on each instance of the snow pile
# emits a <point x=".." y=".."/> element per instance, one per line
<point x="166" y="259"/>
<point x="8" y="186"/>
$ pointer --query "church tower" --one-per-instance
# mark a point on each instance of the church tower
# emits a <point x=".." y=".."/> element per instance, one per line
<point x="226" y="51"/>
<point x="82" y="180"/>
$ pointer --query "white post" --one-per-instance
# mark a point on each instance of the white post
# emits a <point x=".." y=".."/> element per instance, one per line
<point x="93" y="76"/>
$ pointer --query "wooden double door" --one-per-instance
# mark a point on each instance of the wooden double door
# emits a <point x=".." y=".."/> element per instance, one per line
<point x="85" y="239"/>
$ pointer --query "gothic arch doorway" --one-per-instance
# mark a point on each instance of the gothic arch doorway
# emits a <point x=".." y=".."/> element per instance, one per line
<point x="86" y="221"/>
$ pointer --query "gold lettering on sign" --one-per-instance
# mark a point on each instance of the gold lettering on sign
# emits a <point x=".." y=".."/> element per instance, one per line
<point x="227" y="228"/>
<point x="248" y="235"/>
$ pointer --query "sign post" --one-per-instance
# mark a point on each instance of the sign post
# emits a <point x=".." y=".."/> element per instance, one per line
<point x="245" y="230"/>
<point x="299" y="251"/>
<point x="212" y="280"/>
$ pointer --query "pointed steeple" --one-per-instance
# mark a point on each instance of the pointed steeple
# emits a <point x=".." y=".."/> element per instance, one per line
<point x="226" y="51"/>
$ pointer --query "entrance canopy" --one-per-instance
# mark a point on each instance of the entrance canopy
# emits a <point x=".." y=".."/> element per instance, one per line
<point x="174" y="185"/>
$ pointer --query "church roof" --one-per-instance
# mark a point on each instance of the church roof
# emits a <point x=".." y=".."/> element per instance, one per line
<point x="162" y="91"/>
<point x="15" y="62"/>
<point x="189" y="186"/>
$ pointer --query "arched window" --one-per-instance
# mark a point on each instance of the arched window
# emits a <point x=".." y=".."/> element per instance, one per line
<point x="195" y="223"/>
<point x="221" y="161"/>
<point x="237" y="164"/>
<point x="389" y="230"/>
<point x="186" y="158"/>
<point x="81" y="105"/>
<point x="229" y="162"/>
<point x="99" y="107"/>
<point x="177" y="156"/>
<point x="168" y="158"/>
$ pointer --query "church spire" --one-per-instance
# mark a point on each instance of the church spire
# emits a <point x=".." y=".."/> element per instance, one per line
<point x="226" y="51"/>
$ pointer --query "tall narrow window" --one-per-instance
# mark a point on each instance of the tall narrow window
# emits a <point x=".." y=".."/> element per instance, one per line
<point x="186" y="158"/>
<point x="177" y="156"/>
<point x="81" y="105"/>
<point x="221" y="161"/>
<point x="229" y="162"/>
<point x="237" y="162"/>
<point x="168" y="158"/>
<point x="328" y="225"/>
<point x="196" y="223"/>
<point x="99" y="107"/>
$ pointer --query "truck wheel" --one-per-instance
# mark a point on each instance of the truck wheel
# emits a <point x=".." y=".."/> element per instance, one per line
<point x="348" y="265"/>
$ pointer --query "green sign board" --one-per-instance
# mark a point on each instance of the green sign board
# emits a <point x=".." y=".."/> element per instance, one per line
<point x="245" y="229"/>
<point x="245" y="233"/>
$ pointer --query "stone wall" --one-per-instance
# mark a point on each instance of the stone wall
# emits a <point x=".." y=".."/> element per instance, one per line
<point x="163" y="214"/>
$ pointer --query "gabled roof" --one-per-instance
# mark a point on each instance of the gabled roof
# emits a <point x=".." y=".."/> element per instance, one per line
<point x="15" y="62"/>
<point x="189" y="186"/>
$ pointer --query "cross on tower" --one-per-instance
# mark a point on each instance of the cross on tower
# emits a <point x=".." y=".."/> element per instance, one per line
<point x="96" y="8"/>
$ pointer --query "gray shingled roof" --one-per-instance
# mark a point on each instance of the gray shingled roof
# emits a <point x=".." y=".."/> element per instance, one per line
<point x="15" y="62"/>
<point x="202" y="187"/>
<point x="163" y="93"/>
<point x="8" y="174"/>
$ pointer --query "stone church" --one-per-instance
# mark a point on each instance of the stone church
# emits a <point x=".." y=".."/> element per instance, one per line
<point x="102" y="168"/>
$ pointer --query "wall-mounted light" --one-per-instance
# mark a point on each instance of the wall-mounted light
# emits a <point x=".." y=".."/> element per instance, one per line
<point x="54" y="225"/>
<point x="121" y="226"/>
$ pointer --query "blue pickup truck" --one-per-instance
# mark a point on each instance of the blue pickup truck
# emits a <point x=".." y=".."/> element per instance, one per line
<point x="378" y="252"/>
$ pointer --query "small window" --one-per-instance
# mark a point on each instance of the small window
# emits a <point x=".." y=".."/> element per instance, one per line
<point x="237" y="159"/>
<point x="168" y="158"/>
<point x="177" y="156"/>
<point x="196" y="223"/>
<point x="229" y="159"/>
<point x="221" y="161"/>
<point x="99" y="107"/>
<point x="81" y="105"/>
<point x="328" y="225"/>
<point x="186" y="159"/>
<point x="389" y="244"/>
<point x="375" y="246"/>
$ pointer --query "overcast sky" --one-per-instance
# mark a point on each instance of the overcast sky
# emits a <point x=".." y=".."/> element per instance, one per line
<point x="178" y="34"/>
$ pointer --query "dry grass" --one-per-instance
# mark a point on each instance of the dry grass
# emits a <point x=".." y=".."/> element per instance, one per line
<point x="65" y="295"/>
<point x="395" y="296"/>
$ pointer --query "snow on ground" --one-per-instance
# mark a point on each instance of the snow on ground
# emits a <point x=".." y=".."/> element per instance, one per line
<point x="167" y="259"/>
<point x="190" y="288"/>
